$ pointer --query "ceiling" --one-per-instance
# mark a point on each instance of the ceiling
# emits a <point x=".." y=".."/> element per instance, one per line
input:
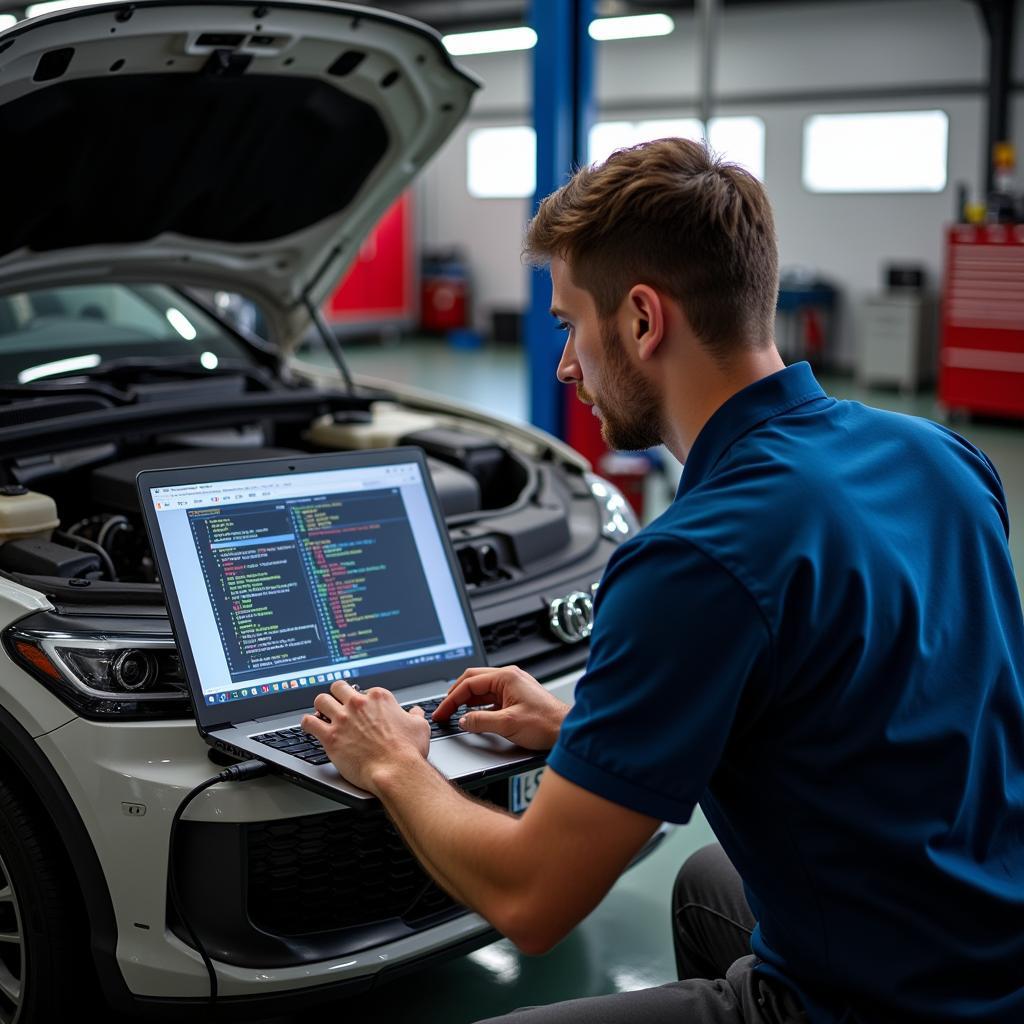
<point x="462" y="15"/>
<point x="447" y="15"/>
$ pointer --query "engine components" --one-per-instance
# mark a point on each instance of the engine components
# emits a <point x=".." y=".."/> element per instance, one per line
<point x="388" y="423"/>
<point x="25" y="513"/>
<point x="37" y="557"/>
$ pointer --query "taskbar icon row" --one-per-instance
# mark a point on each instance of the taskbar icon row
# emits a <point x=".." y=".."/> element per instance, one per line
<point x="266" y="689"/>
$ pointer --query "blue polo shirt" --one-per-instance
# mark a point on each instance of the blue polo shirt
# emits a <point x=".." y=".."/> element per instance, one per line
<point x="821" y="643"/>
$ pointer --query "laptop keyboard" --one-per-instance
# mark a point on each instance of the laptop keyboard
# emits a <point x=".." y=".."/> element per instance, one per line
<point x="309" y="749"/>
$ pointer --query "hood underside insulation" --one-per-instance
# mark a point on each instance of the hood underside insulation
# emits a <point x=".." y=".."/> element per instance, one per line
<point x="243" y="158"/>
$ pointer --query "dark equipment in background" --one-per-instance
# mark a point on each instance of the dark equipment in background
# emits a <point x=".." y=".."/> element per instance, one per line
<point x="445" y="288"/>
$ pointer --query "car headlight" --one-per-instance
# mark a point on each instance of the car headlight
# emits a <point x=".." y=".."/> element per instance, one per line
<point x="619" y="519"/>
<point x="105" y="676"/>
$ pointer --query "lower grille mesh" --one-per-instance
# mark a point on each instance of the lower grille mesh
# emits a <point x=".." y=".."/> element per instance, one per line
<point x="339" y="870"/>
<point x="514" y="631"/>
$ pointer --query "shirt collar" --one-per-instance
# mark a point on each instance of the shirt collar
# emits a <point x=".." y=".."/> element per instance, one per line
<point x="795" y="385"/>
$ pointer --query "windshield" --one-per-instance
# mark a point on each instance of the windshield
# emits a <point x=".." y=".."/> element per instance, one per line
<point x="57" y="332"/>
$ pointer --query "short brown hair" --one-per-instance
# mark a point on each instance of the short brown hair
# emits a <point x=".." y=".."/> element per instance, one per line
<point x="672" y="215"/>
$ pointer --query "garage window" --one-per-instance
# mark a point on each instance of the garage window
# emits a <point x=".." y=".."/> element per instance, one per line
<point x="737" y="139"/>
<point x="894" y="151"/>
<point x="501" y="163"/>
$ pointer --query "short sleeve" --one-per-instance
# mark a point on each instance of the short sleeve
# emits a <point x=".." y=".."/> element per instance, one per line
<point x="676" y="642"/>
<point x="993" y="481"/>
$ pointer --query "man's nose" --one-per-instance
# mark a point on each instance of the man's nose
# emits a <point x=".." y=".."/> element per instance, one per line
<point x="568" y="371"/>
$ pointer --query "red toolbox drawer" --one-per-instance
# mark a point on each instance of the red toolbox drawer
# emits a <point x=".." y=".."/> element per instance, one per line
<point x="981" y="354"/>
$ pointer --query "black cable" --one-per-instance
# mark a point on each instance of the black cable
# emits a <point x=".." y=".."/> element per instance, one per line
<point x="73" y="529"/>
<point x="90" y="545"/>
<point x="113" y="523"/>
<point x="237" y="772"/>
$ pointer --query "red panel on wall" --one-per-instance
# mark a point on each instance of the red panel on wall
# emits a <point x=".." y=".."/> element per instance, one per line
<point x="380" y="286"/>
<point x="981" y="360"/>
<point x="583" y="428"/>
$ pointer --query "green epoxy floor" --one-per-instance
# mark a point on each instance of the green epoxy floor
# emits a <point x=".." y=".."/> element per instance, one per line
<point x="625" y="943"/>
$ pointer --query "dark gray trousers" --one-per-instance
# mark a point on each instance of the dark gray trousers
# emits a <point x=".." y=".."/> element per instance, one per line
<point x="711" y="927"/>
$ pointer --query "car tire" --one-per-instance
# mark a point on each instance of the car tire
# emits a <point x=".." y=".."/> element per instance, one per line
<point x="43" y="976"/>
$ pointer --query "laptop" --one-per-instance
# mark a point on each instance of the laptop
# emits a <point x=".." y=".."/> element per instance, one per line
<point x="284" y="575"/>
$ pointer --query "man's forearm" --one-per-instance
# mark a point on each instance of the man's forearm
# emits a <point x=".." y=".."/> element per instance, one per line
<point x="470" y="848"/>
<point x="533" y="877"/>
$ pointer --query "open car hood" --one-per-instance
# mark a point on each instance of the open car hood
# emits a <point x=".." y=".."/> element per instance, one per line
<point x="237" y="146"/>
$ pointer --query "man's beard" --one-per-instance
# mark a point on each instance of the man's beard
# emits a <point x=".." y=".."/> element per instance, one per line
<point x="630" y="416"/>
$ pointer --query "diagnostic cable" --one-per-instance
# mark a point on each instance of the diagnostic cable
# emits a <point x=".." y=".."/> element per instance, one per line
<point x="253" y="769"/>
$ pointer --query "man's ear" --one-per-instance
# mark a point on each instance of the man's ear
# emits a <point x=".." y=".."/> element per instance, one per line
<point x="646" y="311"/>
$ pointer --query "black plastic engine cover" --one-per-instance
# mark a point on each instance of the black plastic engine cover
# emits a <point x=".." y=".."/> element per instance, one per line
<point x="38" y="557"/>
<point x="480" y="456"/>
<point x="113" y="486"/>
<point x="457" y="491"/>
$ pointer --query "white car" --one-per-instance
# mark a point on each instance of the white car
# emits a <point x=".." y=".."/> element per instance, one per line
<point x="155" y="152"/>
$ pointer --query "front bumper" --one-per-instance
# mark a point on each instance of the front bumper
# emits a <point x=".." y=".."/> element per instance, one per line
<point x="292" y="891"/>
<point x="127" y="780"/>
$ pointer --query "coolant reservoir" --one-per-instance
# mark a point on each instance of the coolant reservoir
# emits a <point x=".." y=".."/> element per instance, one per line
<point x="25" y="513"/>
<point x="388" y="424"/>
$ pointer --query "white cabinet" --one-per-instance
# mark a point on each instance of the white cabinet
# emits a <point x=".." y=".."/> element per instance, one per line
<point x="897" y="341"/>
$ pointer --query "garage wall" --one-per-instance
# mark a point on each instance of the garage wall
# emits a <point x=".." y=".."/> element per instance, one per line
<point x="781" y="64"/>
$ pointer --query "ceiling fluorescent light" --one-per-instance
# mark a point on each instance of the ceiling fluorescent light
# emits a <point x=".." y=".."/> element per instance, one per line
<point x="34" y="10"/>
<point x="7" y="20"/>
<point x="499" y="40"/>
<point x="635" y="26"/>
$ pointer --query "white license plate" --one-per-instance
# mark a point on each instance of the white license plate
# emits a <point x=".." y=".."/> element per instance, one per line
<point x="523" y="788"/>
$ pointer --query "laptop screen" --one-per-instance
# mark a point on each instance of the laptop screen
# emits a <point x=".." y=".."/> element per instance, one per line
<point x="291" y="581"/>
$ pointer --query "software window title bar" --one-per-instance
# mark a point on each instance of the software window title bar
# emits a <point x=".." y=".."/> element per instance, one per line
<point x="233" y="492"/>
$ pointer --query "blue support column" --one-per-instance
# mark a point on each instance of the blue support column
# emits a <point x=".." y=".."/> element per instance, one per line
<point x="563" y="112"/>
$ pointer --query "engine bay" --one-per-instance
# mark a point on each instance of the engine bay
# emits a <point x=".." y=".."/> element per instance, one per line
<point x="508" y="515"/>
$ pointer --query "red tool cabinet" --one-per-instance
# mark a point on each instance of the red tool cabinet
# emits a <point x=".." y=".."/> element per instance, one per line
<point x="981" y="354"/>
<point x="380" y="288"/>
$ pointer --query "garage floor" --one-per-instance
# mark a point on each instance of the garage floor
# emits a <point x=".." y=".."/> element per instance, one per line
<point x="625" y="943"/>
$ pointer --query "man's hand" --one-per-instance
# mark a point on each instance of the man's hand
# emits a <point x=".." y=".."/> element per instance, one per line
<point x="363" y="733"/>
<point x="523" y="712"/>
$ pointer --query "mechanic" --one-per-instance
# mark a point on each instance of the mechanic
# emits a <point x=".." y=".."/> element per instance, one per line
<point x="820" y="642"/>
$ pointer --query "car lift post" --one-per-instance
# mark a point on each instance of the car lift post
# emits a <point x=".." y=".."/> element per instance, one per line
<point x="563" y="112"/>
<point x="997" y="17"/>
